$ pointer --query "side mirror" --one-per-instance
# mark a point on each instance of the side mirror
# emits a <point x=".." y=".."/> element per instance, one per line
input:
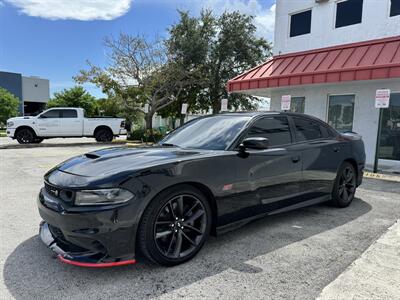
<point x="258" y="143"/>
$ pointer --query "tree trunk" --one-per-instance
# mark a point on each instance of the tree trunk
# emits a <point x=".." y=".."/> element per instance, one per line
<point x="216" y="106"/>
<point x="182" y="120"/>
<point x="149" y="120"/>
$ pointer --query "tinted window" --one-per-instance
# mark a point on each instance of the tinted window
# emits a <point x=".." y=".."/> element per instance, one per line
<point x="69" y="113"/>
<point x="307" y="130"/>
<point x="51" y="114"/>
<point x="395" y="8"/>
<point x="300" y="23"/>
<point x="348" y="12"/>
<point x="213" y="133"/>
<point x="276" y="129"/>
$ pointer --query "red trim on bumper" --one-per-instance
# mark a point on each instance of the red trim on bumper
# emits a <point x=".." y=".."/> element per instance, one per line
<point x="96" y="265"/>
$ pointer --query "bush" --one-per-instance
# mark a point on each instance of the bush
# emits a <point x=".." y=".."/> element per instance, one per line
<point x="140" y="134"/>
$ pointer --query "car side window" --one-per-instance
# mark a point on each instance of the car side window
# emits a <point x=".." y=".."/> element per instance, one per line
<point x="69" y="113"/>
<point x="51" y="114"/>
<point x="275" y="129"/>
<point x="308" y="130"/>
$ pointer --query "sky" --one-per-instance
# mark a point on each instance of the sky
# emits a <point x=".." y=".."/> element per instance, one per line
<point x="53" y="39"/>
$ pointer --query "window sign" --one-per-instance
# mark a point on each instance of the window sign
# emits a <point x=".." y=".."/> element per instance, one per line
<point x="285" y="102"/>
<point x="184" y="108"/>
<point x="224" y="105"/>
<point x="382" y="98"/>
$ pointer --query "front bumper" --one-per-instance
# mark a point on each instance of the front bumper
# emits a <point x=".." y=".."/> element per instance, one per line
<point x="10" y="132"/>
<point x="77" y="258"/>
<point x="86" y="238"/>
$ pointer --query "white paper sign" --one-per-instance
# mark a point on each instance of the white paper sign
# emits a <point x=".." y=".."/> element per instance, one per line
<point x="184" y="108"/>
<point x="382" y="98"/>
<point x="224" y="105"/>
<point x="146" y="108"/>
<point x="285" y="102"/>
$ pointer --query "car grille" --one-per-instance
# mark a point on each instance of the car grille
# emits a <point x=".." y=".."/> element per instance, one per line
<point x="59" y="193"/>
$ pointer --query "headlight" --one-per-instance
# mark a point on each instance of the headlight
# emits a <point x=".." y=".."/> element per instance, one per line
<point x="10" y="124"/>
<point x="102" y="197"/>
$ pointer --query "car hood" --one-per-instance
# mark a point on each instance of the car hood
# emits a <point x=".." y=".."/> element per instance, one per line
<point x="21" y="118"/>
<point x="105" y="162"/>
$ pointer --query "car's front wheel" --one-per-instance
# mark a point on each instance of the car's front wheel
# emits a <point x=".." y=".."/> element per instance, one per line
<point x="345" y="185"/>
<point x="25" y="136"/>
<point x="175" y="226"/>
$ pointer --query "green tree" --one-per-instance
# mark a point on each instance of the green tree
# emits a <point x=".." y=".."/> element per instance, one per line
<point x="216" y="49"/>
<point x="75" y="97"/>
<point x="139" y="72"/>
<point x="8" y="106"/>
<point x="110" y="107"/>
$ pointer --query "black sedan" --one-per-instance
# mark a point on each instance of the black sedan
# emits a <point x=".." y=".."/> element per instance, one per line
<point x="213" y="174"/>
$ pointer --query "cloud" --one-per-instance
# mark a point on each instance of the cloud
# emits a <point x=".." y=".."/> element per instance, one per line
<point x="264" y="16"/>
<point x="83" y="10"/>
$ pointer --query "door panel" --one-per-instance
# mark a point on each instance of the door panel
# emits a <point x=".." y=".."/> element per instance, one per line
<point x="48" y="123"/>
<point x="70" y="124"/>
<point x="271" y="176"/>
<point x="322" y="155"/>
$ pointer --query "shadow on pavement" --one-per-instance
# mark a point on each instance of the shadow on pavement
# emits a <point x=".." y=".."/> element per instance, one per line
<point x="31" y="272"/>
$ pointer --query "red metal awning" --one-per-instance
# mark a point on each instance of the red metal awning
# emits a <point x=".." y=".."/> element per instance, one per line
<point x="376" y="59"/>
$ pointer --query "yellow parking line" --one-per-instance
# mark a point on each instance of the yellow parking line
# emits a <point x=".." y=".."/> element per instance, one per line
<point x="382" y="176"/>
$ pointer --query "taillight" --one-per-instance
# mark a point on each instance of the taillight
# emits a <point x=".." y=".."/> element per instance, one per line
<point x="123" y="124"/>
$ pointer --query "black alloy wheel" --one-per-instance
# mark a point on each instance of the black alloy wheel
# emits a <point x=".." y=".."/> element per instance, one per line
<point x="174" y="229"/>
<point x="345" y="185"/>
<point x="104" y="135"/>
<point x="25" y="136"/>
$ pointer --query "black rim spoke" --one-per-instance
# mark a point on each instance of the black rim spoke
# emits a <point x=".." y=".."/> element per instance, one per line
<point x="347" y="185"/>
<point x="180" y="226"/>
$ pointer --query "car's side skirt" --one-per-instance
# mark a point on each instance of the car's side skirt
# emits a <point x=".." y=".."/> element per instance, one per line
<point x="240" y="223"/>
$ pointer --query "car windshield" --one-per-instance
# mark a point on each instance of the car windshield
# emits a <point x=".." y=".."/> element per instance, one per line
<point x="211" y="133"/>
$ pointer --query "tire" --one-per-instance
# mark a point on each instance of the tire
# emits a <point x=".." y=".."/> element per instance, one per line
<point x="344" y="187"/>
<point x="103" y="135"/>
<point x="163" y="238"/>
<point x="25" y="136"/>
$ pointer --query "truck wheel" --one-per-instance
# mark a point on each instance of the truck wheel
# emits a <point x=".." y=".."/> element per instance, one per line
<point x="103" y="135"/>
<point x="25" y="136"/>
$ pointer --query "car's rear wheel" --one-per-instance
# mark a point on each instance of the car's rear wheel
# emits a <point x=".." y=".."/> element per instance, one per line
<point x="25" y="136"/>
<point x="344" y="187"/>
<point x="175" y="226"/>
<point x="103" y="135"/>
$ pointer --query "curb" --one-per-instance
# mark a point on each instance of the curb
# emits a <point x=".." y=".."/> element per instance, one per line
<point x="381" y="176"/>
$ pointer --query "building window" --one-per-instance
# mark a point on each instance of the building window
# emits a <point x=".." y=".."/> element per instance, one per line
<point x="348" y="12"/>
<point x="300" y="23"/>
<point x="394" y="8"/>
<point x="340" y="112"/>
<point x="297" y="104"/>
<point x="389" y="145"/>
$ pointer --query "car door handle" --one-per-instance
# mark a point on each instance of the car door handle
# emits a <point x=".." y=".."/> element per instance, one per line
<point x="295" y="159"/>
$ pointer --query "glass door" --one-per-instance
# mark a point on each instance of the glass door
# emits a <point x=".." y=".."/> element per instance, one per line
<point x="389" y="146"/>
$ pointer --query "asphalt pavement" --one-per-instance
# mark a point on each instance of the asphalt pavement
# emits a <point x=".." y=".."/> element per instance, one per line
<point x="287" y="256"/>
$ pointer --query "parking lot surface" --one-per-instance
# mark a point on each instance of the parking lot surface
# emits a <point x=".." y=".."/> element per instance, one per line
<point x="286" y="256"/>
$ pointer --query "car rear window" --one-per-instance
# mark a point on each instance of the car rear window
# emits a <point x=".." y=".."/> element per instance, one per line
<point x="307" y="130"/>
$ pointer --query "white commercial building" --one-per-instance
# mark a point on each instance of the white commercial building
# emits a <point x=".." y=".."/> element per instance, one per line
<point x="331" y="57"/>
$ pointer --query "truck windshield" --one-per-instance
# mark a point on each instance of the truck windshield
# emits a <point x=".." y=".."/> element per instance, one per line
<point x="211" y="133"/>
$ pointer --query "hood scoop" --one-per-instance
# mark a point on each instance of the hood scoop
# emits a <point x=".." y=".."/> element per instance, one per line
<point x="92" y="155"/>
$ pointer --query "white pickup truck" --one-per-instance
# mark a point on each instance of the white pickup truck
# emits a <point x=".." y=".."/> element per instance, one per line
<point x="63" y="122"/>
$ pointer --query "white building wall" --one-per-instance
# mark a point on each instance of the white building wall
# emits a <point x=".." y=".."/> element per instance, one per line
<point x="35" y="89"/>
<point x="365" y="120"/>
<point x="375" y="24"/>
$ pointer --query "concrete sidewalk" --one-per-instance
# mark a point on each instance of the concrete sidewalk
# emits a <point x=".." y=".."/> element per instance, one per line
<point x="375" y="275"/>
